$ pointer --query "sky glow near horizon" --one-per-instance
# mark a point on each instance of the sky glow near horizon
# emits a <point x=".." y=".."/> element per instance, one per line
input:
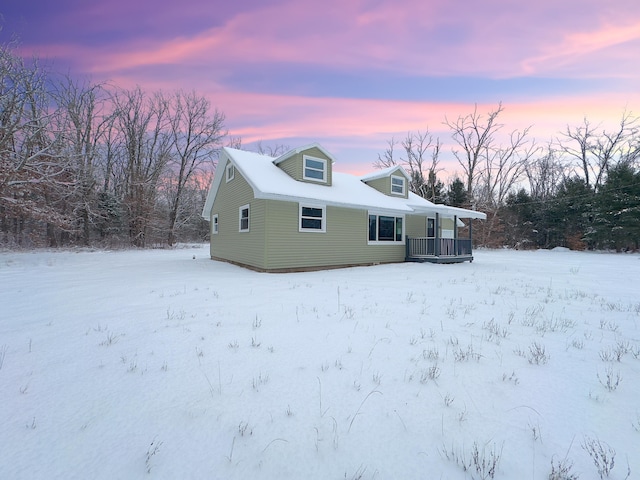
<point x="352" y="74"/>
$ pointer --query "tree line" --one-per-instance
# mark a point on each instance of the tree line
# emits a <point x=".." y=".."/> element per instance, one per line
<point x="84" y="163"/>
<point x="579" y="190"/>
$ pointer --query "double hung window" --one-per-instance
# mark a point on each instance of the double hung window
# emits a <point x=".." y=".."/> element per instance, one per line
<point x="315" y="169"/>
<point x="230" y="172"/>
<point x="244" y="218"/>
<point x="398" y="185"/>
<point x="312" y="218"/>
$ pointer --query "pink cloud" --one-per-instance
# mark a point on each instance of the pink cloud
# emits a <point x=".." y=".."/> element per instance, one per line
<point x="494" y="39"/>
<point x="592" y="47"/>
<point x="368" y="124"/>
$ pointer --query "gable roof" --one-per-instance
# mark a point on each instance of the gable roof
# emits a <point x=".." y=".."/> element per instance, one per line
<point x="268" y="181"/>
<point x="385" y="172"/>
<point x="295" y="151"/>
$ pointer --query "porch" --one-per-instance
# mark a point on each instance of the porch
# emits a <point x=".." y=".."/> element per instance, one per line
<point x="441" y="245"/>
<point x="438" y="250"/>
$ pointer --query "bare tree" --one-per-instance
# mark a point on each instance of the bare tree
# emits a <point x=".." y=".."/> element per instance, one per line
<point x="196" y="136"/>
<point x="272" y="150"/>
<point x="144" y="125"/>
<point x="475" y="136"/>
<point x="81" y="120"/>
<point x="503" y="167"/>
<point x="33" y="173"/>
<point x="577" y="145"/>
<point x="619" y="145"/>
<point x="595" y="153"/>
<point x="387" y="159"/>
<point x="544" y="174"/>
<point x="422" y="155"/>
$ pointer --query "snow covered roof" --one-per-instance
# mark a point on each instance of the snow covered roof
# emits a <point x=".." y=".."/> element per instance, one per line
<point x="295" y="151"/>
<point x="268" y="181"/>
<point x="385" y="172"/>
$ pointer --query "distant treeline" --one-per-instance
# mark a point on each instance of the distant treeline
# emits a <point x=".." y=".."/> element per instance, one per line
<point x="580" y="190"/>
<point x="93" y="164"/>
<point x="84" y="163"/>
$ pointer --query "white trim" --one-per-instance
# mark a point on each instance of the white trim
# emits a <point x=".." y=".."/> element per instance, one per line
<point x="230" y="172"/>
<point x="215" y="224"/>
<point x="404" y="185"/>
<point x="246" y="207"/>
<point x="386" y="242"/>
<point x="385" y="172"/>
<point x="296" y="151"/>
<point x="323" y="219"/>
<point x="314" y="159"/>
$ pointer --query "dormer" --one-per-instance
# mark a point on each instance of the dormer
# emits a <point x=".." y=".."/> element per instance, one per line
<point x="392" y="181"/>
<point x="311" y="164"/>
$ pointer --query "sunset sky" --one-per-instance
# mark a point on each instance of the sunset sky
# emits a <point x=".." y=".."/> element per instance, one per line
<point x="351" y="74"/>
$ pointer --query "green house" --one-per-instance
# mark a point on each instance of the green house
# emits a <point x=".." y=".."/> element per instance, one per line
<point x="295" y="213"/>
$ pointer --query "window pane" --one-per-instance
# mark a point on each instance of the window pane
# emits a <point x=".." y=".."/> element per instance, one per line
<point x="310" y="173"/>
<point x="312" y="223"/>
<point x="386" y="227"/>
<point x="244" y="219"/>
<point x="311" y="212"/>
<point x="373" y="227"/>
<point x="314" y="164"/>
<point x="398" y="229"/>
<point x="397" y="185"/>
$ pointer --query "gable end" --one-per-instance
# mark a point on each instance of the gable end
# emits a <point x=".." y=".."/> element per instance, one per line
<point x="312" y="165"/>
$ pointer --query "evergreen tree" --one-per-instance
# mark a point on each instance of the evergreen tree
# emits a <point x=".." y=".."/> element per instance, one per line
<point x="520" y="220"/>
<point x="435" y="189"/>
<point x="567" y="220"/>
<point x="457" y="193"/>
<point x="616" y="216"/>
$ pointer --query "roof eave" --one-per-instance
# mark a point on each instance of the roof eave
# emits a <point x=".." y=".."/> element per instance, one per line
<point x="295" y="151"/>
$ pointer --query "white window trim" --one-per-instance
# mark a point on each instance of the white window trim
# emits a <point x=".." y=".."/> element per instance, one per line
<point x="323" y="219"/>
<point x="248" y="208"/>
<point x="230" y="172"/>
<point x="215" y="224"/>
<point x="315" y="159"/>
<point x="404" y="185"/>
<point x="386" y="242"/>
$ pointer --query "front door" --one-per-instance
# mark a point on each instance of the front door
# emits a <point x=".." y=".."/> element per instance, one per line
<point x="431" y="236"/>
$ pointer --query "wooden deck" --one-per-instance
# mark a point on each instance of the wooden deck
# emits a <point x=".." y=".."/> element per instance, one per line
<point x="438" y="250"/>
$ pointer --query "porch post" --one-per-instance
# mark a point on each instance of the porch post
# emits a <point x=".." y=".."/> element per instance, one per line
<point x="437" y="238"/>
<point x="456" y="250"/>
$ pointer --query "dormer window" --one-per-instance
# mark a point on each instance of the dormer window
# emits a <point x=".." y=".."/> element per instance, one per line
<point x="315" y="169"/>
<point x="231" y="172"/>
<point x="398" y="185"/>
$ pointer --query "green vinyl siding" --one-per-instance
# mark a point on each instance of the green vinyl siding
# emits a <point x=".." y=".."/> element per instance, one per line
<point x="343" y="243"/>
<point x="230" y="244"/>
<point x="415" y="226"/>
<point x="293" y="166"/>
<point x="383" y="185"/>
<point x="446" y="223"/>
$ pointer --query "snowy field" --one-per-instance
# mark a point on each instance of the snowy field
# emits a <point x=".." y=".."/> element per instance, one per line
<point x="156" y="364"/>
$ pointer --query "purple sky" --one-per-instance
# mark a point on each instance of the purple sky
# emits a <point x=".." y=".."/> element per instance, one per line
<point x="351" y="74"/>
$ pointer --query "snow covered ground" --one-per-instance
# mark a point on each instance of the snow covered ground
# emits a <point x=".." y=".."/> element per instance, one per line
<point x="153" y="364"/>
